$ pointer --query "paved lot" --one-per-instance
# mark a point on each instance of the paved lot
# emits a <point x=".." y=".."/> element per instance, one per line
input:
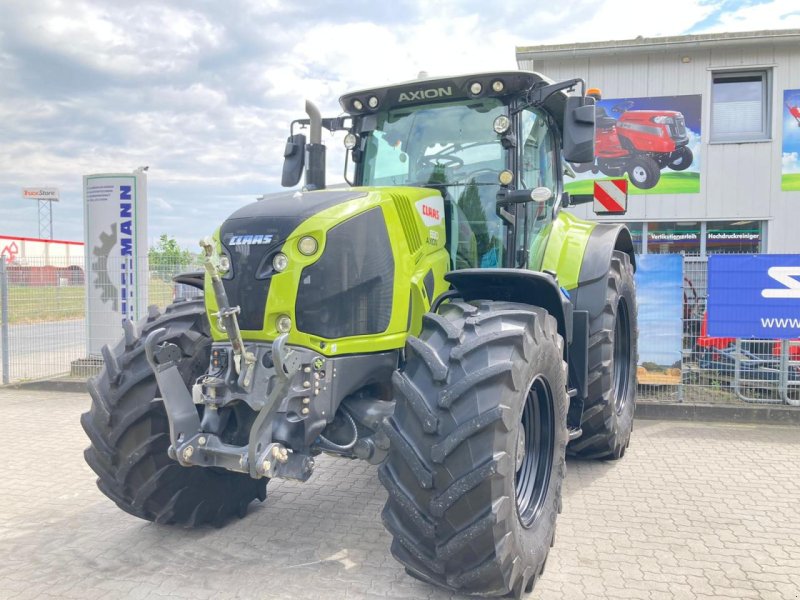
<point x="693" y="511"/>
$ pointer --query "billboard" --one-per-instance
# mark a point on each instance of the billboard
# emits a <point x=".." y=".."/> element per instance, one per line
<point x="652" y="141"/>
<point x="115" y="222"/>
<point x="659" y="291"/>
<point x="47" y="194"/>
<point x="790" y="167"/>
<point x="754" y="296"/>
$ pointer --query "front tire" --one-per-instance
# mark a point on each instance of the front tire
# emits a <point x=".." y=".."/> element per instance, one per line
<point x="607" y="420"/>
<point x="681" y="159"/>
<point x="129" y="431"/>
<point x="478" y="439"/>
<point x="643" y="172"/>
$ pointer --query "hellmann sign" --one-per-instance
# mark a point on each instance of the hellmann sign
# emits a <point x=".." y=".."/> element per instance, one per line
<point x="754" y="296"/>
<point x="40" y="193"/>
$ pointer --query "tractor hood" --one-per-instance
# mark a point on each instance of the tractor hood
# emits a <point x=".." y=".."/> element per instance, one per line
<point x="345" y="268"/>
<point x="255" y="233"/>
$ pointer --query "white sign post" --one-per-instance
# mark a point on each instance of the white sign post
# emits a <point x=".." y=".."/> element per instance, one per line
<point x="115" y="225"/>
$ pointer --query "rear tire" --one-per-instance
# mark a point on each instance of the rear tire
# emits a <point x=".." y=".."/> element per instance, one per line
<point x="607" y="419"/>
<point x="472" y="501"/>
<point x="129" y="431"/>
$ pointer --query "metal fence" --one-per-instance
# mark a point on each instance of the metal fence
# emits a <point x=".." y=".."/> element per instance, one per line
<point x="48" y="328"/>
<point x="714" y="370"/>
<point x="46" y="333"/>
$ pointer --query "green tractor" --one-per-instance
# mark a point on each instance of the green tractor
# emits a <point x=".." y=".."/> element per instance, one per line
<point x="442" y="317"/>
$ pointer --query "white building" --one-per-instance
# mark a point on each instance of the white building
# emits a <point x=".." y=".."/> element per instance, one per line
<point x="739" y="95"/>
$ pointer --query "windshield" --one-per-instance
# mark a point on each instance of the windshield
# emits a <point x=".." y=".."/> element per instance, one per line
<point x="440" y="144"/>
<point x="453" y="148"/>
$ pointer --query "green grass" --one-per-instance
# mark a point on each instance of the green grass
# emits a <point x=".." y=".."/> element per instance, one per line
<point x="790" y="182"/>
<point x="671" y="182"/>
<point x="33" y="304"/>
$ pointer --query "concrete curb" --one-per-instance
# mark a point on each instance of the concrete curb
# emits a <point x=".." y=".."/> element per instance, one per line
<point x="67" y="384"/>
<point x="765" y="413"/>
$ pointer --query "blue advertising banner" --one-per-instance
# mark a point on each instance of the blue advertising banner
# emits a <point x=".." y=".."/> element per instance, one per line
<point x="659" y="291"/>
<point x="754" y="296"/>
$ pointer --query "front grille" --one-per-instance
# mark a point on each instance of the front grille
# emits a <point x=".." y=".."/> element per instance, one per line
<point x="678" y="129"/>
<point x="349" y="290"/>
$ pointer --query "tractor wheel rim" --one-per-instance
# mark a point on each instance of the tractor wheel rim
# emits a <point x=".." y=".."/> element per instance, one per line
<point x="536" y="442"/>
<point x="639" y="174"/>
<point x="622" y="353"/>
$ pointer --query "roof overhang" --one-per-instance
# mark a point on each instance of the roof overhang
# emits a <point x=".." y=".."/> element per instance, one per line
<point x="642" y="45"/>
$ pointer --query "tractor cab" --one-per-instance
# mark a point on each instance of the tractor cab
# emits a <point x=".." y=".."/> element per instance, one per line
<point x="485" y="142"/>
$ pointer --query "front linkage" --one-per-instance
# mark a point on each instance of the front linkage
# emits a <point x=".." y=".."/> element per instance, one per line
<point x="294" y="393"/>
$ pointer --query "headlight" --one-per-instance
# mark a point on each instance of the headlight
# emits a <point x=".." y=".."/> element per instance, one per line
<point x="280" y="261"/>
<point x="501" y="124"/>
<point x="283" y="324"/>
<point x="307" y="245"/>
<point x="224" y="263"/>
<point x="350" y="141"/>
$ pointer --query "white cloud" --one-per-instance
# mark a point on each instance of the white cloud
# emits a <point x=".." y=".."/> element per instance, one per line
<point x="778" y="14"/>
<point x="204" y="92"/>
<point x="790" y="162"/>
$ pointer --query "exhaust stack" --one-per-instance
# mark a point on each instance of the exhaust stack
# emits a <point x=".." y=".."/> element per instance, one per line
<point x="315" y="167"/>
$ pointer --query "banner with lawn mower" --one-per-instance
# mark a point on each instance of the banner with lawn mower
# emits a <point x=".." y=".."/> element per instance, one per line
<point x="790" y="167"/>
<point x="653" y="141"/>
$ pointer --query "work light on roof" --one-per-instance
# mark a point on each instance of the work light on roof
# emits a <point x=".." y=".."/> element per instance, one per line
<point x="373" y="102"/>
<point x="498" y="86"/>
<point x="475" y="88"/>
<point x="350" y="141"/>
<point x="358" y="104"/>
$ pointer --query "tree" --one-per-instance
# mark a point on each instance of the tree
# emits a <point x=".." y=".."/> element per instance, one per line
<point x="167" y="258"/>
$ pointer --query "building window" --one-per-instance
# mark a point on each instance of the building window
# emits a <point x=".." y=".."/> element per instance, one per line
<point x="733" y="237"/>
<point x="674" y="238"/>
<point x="740" y="102"/>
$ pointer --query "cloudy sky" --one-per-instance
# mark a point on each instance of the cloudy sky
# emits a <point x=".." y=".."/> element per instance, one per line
<point x="203" y="91"/>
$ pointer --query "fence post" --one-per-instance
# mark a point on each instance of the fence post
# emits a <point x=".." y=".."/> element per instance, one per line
<point x="4" y="318"/>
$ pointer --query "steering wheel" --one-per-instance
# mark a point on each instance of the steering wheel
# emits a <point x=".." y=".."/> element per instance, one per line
<point x="444" y="160"/>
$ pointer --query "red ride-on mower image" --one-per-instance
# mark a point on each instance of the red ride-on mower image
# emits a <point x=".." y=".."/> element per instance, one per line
<point x="794" y="108"/>
<point x="638" y="142"/>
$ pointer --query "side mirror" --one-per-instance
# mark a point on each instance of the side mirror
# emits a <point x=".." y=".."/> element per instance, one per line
<point x="294" y="160"/>
<point x="578" y="130"/>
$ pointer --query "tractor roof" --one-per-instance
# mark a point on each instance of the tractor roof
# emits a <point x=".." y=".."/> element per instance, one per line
<point x="443" y="89"/>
